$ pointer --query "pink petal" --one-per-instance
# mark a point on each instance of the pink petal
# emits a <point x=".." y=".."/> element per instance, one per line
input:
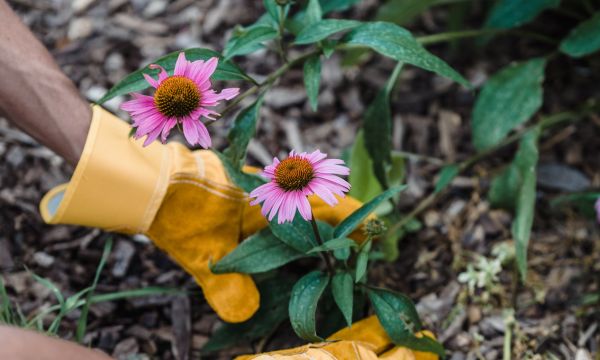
<point x="162" y="75"/>
<point x="206" y="70"/>
<point x="304" y="207"/>
<point x="180" y="65"/>
<point x="170" y="124"/>
<point x="151" y="80"/>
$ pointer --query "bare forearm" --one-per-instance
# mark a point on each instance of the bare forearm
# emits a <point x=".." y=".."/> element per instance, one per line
<point x="34" y="93"/>
<point x="28" y="345"/>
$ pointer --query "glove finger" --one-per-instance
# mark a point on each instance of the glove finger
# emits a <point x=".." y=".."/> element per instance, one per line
<point x="199" y="222"/>
<point x="367" y="331"/>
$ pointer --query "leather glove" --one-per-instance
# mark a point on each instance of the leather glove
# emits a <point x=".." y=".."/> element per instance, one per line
<point x="182" y="200"/>
<point x="364" y="340"/>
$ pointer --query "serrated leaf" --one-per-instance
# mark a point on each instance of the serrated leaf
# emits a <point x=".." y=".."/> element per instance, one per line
<point x="508" y="99"/>
<point x="242" y="131"/>
<point x="303" y="304"/>
<point x="261" y="252"/>
<point x="248" y="41"/>
<point x="512" y="13"/>
<point x="398" y="316"/>
<point x="583" y="39"/>
<point x="312" y="80"/>
<point x="273" y="310"/>
<point x="135" y="81"/>
<point x="323" y="29"/>
<point x="246" y="182"/>
<point x="298" y="233"/>
<point x="342" y="288"/>
<point x="334" y="244"/>
<point x="359" y="215"/>
<point x="447" y="174"/>
<point x="398" y="43"/>
<point x="526" y="161"/>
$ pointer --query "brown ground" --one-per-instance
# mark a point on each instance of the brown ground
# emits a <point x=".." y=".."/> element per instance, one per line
<point x="98" y="42"/>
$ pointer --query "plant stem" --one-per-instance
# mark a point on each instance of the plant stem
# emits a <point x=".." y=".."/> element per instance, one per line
<point x="545" y="123"/>
<point x="325" y="256"/>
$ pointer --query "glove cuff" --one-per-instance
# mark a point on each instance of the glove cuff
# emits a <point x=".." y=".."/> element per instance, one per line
<point x="117" y="185"/>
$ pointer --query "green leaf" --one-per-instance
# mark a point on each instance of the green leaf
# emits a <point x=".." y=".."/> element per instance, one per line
<point x="584" y="39"/>
<point x="512" y="13"/>
<point x="447" y="174"/>
<point x="504" y="188"/>
<point x="246" y="182"/>
<point x="399" y="318"/>
<point x="272" y="9"/>
<point x="402" y="11"/>
<point x="365" y="185"/>
<point x="323" y="29"/>
<point x="584" y="202"/>
<point x="273" y="310"/>
<point x="135" y="81"/>
<point x="508" y="99"/>
<point x="398" y="43"/>
<point x="334" y="244"/>
<point x="242" y="131"/>
<point x="303" y="304"/>
<point x="377" y="125"/>
<point x="261" y="252"/>
<point x="336" y="5"/>
<point x="526" y="161"/>
<point x="248" y="41"/>
<point x="359" y="215"/>
<point x="298" y="233"/>
<point x="342" y="254"/>
<point x="342" y="288"/>
<point x="362" y="261"/>
<point x="312" y="79"/>
<point x="313" y="13"/>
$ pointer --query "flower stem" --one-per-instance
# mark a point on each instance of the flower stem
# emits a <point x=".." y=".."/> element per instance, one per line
<point x="325" y="256"/>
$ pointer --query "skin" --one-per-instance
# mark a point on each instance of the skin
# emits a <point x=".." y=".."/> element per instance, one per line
<point x="35" y="95"/>
<point x="40" y="100"/>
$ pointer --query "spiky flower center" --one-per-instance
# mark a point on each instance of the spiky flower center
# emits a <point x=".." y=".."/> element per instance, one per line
<point x="294" y="173"/>
<point x="177" y="96"/>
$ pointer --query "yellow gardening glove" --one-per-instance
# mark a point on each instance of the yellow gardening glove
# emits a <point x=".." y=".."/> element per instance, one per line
<point x="364" y="340"/>
<point x="182" y="200"/>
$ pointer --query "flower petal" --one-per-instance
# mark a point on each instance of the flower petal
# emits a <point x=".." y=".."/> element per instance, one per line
<point x="180" y="65"/>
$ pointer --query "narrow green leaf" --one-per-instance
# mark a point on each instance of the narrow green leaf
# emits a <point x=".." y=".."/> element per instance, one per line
<point x="508" y="99"/>
<point x="447" y="174"/>
<point x="242" y="131"/>
<point x="583" y="201"/>
<point x="584" y="39"/>
<point x="399" y="318"/>
<point x="377" y="125"/>
<point x="312" y="79"/>
<point x="273" y="310"/>
<point x="247" y="41"/>
<point x="261" y="252"/>
<point x="272" y="9"/>
<point x="526" y="160"/>
<point x="303" y="304"/>
<point x="334" y="244"/>
<point x="313" y="13"/>
<point x="135" y="81"/>
<point x="82" y="322"/>
<point x="342" y="288"/>
<point x="365" y="185"/>
<point x="358" y="216"/>
<point x="362" y="261"/>
<point x="505" y="187"/>
<point x="342" y="254"/>
<point x="323" y="29"/>
<point x="398" y="43"/>
<point x="512" y="13"/>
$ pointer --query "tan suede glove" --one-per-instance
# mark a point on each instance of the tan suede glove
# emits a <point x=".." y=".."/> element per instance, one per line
<point x="182" y="200"/>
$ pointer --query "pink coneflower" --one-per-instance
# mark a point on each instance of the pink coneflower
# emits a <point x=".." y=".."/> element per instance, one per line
<point x="598" y="209"/>
<point x="296" y="177"/>
<point x="178" y="99"/>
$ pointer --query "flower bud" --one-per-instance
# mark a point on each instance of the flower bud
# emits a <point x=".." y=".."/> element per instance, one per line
<point x="375" y="228"/>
